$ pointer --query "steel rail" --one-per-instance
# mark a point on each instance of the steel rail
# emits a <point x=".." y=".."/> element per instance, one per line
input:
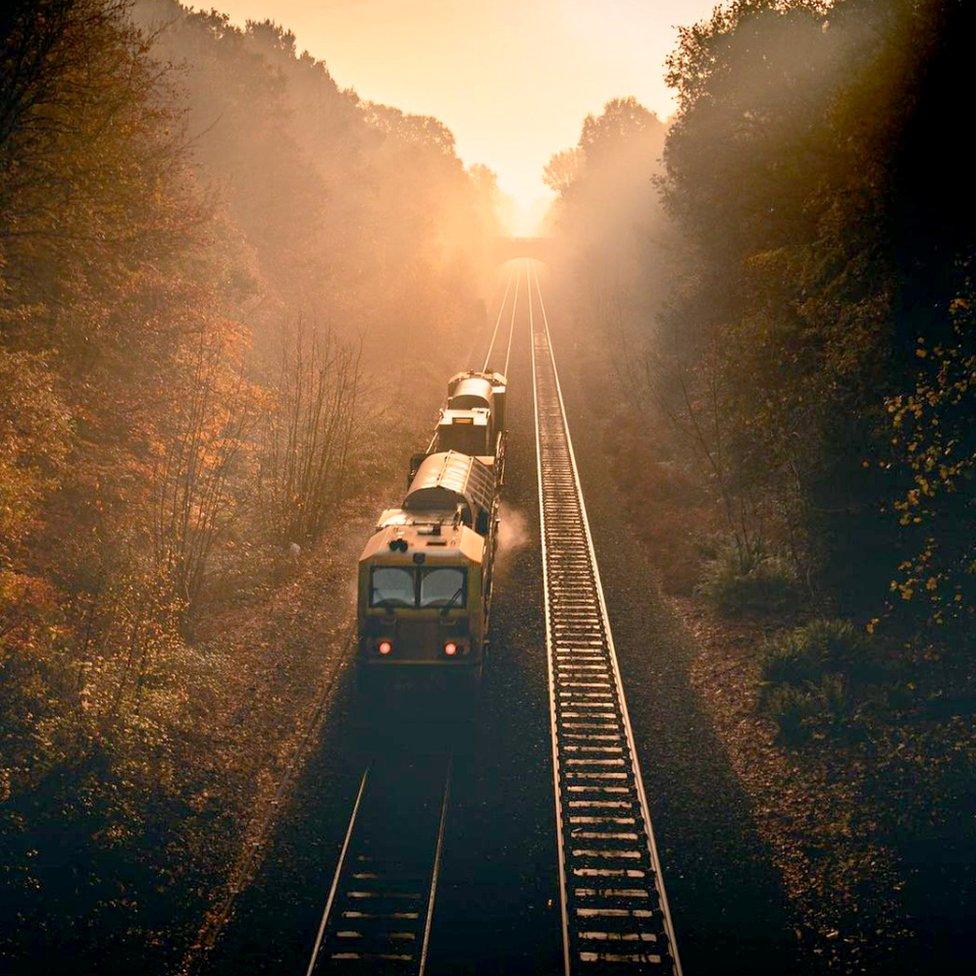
<point x="613" y="905"/>
<point x="435" y="873"/>
<point x="334" y="887"/>
<point x="511" y="328"/>
<point x="380" y="907"/>
<point x="498" y="318"/>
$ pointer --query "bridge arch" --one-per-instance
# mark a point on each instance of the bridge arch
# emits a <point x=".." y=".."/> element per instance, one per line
<point x="511" y="248"/>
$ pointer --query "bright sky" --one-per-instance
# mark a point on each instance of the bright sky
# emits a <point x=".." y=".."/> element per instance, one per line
<point x="513" y="79"/>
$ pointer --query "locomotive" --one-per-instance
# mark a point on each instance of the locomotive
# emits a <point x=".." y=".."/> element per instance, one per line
<point x="425" y="574"/>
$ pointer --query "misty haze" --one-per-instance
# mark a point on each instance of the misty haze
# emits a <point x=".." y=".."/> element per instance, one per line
<point x="487" y="488"/>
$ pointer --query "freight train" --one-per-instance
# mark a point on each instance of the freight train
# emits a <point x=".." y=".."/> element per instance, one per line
<point x="425" y="575"/>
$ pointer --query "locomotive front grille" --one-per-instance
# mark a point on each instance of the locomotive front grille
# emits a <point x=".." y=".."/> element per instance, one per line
<point x="422" y="640"/>
<point x="417" y="640"/>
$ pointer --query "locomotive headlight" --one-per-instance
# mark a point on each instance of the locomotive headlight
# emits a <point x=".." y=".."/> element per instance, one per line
<point x="385" y="647"/>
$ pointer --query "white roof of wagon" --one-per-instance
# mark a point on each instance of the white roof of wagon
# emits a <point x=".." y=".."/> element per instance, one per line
<point x="445" y="480"/>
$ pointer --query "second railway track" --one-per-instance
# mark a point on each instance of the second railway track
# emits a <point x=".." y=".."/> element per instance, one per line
<point x="615" y="913"/>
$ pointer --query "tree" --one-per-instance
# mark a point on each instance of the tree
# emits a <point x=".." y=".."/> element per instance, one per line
<point x="836" y="259"/>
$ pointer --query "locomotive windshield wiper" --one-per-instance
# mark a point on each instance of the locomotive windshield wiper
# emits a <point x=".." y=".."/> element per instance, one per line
<point x="450" y="603"/>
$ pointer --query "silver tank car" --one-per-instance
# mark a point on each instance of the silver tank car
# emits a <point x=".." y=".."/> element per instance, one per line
<point x="476" y="389"/>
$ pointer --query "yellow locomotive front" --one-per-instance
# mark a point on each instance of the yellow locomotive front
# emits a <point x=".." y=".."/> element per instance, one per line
<point x="425" y="574"/>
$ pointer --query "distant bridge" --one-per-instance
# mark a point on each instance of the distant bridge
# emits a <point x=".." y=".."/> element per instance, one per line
<point x="510" y="248"/>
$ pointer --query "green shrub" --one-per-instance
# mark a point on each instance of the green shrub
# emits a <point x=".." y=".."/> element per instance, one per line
<point x="739" y="581"/>
<point x="813" y="676"/>
<point x="801" y="710"/>
<point x="823" y="645"/>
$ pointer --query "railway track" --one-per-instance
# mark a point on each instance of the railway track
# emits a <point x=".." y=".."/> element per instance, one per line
<point x="498" y="320"/>
<point x="613" y="907"/>
<point x="615" y="914"/>
<point x="511" y="327"/>
<point x="380" y="905"/>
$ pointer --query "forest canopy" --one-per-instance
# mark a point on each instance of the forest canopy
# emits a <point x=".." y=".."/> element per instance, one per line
<point x="831" y="289"/>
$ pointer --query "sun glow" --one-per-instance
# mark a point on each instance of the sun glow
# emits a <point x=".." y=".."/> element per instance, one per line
<point x="513" y="81"/>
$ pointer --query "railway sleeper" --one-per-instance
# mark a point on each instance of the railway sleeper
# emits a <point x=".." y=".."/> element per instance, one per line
<point x="607" y="855"/>
<point x="377" y="935"/>
<point x="625" y="962"/>
<point x="610" y="895"/>
<point x="601" y="936"/>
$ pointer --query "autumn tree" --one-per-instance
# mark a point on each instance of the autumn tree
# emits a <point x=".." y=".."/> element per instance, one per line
<point x="174" y="190"/>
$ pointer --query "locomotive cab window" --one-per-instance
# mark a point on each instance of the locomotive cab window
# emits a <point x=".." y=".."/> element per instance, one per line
<point x="443" y="587"/>
<point x="392" y="586"/>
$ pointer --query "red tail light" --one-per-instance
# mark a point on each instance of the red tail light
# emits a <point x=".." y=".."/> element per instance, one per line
<point x="450" y="649"/>
<point x="384" y="647"/>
